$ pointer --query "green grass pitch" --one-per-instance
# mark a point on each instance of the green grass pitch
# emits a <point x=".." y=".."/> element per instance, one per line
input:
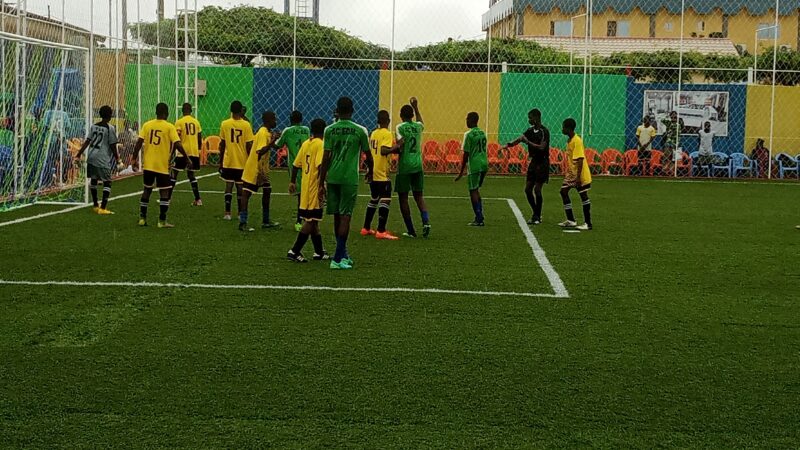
<point x="681" y="329"/>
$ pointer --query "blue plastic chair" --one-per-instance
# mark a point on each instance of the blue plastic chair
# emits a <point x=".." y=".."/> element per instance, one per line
<point x="721" y="162"/>
<point x="787" y="163"/>
<point x="695" y="168"/>
<point x="741" y="163"/>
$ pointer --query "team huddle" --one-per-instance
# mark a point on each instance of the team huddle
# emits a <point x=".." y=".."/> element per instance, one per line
<point x="325" y="166"/>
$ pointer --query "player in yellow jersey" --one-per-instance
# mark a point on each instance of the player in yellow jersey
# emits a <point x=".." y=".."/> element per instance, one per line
<point x="191" y="134"/>
<point x="157" y="139"/>
<point x="578" y="177"/>
<point x="237" y="140"/>
<point x="380" y="142"/>
<point x="256" y="171"/>
<point x="308" y="160"/>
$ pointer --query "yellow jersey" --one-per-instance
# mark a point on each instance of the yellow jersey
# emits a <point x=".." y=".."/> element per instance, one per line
<point x="236" y="133"/>
<point x="308" y="160"/>
<point x="379" y="138"/>
<point x="256" y="165"/>
<point x="159" y="137"/>
<point x="188" y="129"/>
<point x="575" y="151"/>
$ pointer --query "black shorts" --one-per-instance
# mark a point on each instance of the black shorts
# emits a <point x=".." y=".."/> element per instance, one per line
<point x="231" y="175"/>
<point x="311" y="214"/>
<point x="155" y="179"/>
<point x="538" y="172"/>
<point x="380" y="189"/>
<point x="180" y="163"/>
<point x="255" y="187"/>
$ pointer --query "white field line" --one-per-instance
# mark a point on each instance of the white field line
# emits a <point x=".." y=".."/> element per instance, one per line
<point x="270" y="287"/>
<point x="538" y="253"/>
<point x="77" y="207"/>
<point x="285" y="194"/>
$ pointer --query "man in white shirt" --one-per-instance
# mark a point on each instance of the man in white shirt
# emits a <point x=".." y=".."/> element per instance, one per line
<point x="706" y="153"/>
<point x="646" y="133"/>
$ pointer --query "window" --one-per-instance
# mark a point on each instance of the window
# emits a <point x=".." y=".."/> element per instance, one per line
<point x="611" y="29"/>
<point x="668" y="26"/>
<point x="618" y="28"/>
<point x="561" y="28"/>
<point x="768" y="31"/>
<point x="701" y="26"/>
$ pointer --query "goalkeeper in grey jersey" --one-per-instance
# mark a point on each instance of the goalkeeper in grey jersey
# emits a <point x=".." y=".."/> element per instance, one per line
<point x="101" y="143"/>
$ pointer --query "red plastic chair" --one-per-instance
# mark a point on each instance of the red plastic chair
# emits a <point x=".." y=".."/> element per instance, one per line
<point x="452" y="156"/>
<point x="431" y="157"/>
<point x="516" y="158"/>
<point x="655" y="162"/>
<point x="631" y="161"/>
<point x="281" y="157"/>
<point x="594" y="161"/>
<point x="496" y="161"/>
<point x="684" y="165"/>
<point x="612" y="159"/>
<point x="557" y="161"/>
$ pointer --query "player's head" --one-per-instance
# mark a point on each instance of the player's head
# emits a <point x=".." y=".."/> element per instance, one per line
<point x="296" y="117"/>
<point x="162" y="111"/>
<point x="707" y="126"/>
<point x="186" y="109"/>
<point x="646" y="121"/>
<point x="407" y="113"/>
<point x="472" y="119"/>
<point x="106" y="113"/>
<point x="269" y="119"/>
<point x="236" y="108"/>
<point x="673" y="116"/>
<point x="383" y="118"/>
<point x="344" y="107"/>
<point x="535" y="117"/>
<point x="318" y="127"/>
<point x="759" y="143"/>
<point x="568" y="127"/>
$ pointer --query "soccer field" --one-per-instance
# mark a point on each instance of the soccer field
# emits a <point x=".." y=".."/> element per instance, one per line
<point x="675" y="322"/>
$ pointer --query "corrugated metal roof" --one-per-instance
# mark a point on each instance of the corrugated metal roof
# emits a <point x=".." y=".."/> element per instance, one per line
<point x="609" y="45"/>
<point x="731" y="7"/>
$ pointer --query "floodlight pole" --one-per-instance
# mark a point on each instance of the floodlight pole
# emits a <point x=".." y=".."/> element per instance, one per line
<point x="774" y="83"/>
<point x="572" y="39"/>
<point x="585" y="67"/>
<point x="755" y="50"/>
<point x="677" y="152"/>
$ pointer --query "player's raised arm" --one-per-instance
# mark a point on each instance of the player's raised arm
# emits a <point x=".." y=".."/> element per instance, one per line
<point x="415" y="105"/>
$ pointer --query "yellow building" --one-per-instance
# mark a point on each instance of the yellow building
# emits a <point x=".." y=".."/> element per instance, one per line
<point x="746" y="24"/>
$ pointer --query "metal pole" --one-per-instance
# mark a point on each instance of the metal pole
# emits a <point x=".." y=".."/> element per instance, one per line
<point x="585" y="67"/>
<point x="488" y="81"/>
<point x="391" y="63"/>
<point x="678" y="129"/>
<point x="90" y="93"/>
<point x="185" y="52"/>
<point x="159" y="13"/>
<point x="572" y="39"/>
<point x="774" y="83"/>
<point x="62" y="131"/>
<point x="138" y="77"/>
<point x="294" y="63"/>
<point x="196" y="62"/>
<point x="591" y="68"/>
<point x="177" y="66"/>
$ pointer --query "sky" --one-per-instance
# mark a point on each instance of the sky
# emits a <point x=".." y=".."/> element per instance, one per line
<point x="418" y="22"/>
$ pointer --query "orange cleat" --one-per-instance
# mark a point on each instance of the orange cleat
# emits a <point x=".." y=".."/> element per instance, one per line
<point x="366" y="232"/>
<point x="386" y="236"/>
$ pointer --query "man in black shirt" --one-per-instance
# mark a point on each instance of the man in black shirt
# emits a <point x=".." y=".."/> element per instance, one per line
<point x="537" y="138"/>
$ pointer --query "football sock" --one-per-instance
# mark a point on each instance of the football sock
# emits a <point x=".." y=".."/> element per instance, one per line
<point x="425" y="217"/>
<point x="106" y="193"/>
<point x="163" y="208"/>
<point x="238" y="196"/>
<point x="173" y="177"/>
<point x="479" y="211"/>
<point x="143" y="202"/>
<point x="568" y="211"/>
<point x="409" y="225"/>
<point x="243" y="217"/>
<point x="317" y="241"/>
<point x="475" y="209"/>
<point x="93" y="190"/>
<point x="532" y="201"/>
<point x="265" y="198"/>
<point x="228" y="200"/>
<point x="195" y="186"/>
<point x="383" y="215"/>
<point x="372" y="205"/>
<point x="587" y="211"/>
<point x="341" y="243"/>
<point x="302" y="238"/>
<point x="537" y="211"/>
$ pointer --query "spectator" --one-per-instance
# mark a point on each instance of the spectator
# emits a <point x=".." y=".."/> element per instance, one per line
<point x="706" y="153"/>
<point x="760" y="156"/>
<point x="671" y="139"/>
<point x="646" y="133"/>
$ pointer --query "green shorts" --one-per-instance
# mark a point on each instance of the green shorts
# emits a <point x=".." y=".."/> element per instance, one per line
<point x="405" y="182"/>
<point x="342" y="199"/>
<point x="475" y="180"/>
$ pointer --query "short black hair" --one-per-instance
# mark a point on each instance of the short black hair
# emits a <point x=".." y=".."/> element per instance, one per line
<point x="296" y="117"/>
<point x="383" y="117"/>
<point x="106" y="112"/>
<point x="236" y="107"/>
<point x="406" y="112"/>
<point x="570" y="124"/>
<point x="473" y="117"/>
<point x="162" y="110"/>
<point x="535" y="113"/>
<point x="318" y="127"/>
<point x="266" y="115"/>
<point x="187" y="108"/>
<point x="344" y="106"/>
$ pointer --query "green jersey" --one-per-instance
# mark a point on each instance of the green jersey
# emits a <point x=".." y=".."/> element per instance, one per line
<point x="293" y="137"/>
<point x="410" y="154"/>
<point x="345" y="140"/>
<point x="475" y="146"/>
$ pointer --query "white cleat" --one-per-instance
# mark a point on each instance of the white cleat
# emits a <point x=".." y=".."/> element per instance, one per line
<point x="568" y="224"/>
<point x="584" y="227"/>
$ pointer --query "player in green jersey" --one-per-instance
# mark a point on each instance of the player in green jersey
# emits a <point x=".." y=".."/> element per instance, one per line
<point x="474" y="147"/>
<point x="293" y="138"/>
<point x="410" y="177"/>
<point x="344" y="142"/>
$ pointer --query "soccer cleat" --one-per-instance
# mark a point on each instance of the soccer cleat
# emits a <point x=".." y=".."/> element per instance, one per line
<point x="340" y="265"/>
<point x="532" y="221"/>
<point x="298" y="226"/>
<point x="197" y="203"/>
<point x="165" y="224"/>
<point x="244" y="227"/>
<point x="584" y="227"/>
<point x="568" y="224"/>
<point x="296" y="257"/>
<point x="537" y="221"/>
<point x="367" y="232"/>
<point x="104" y="212"/>
<point x="426" y="230"/>
<point x="322" y="257"/>
<point x="349" y="262"/>
<point x="475" y="224"/>
<point x="142" y="222"/>
<point x="96" y="209"/>
<point x="409" y="235"/>
<point x="269" y="225"/>
<point x="386" y="236"/>
<point x="227" y="216"/>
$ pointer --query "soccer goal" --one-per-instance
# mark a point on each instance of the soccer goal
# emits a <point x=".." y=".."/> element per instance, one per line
<point x="45" y="105"/>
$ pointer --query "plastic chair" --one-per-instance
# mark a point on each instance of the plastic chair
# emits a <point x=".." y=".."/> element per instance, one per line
<point x="684" y="164"/>
<point x="630" y="161"/>
<point x="210" y="147"/>
<point x="517" y="159"/>
<point x="557" y="161"/>
<point x="496" y="162"/>
<point x="612" y="158"/>
<point x="280" y="157"/>
<point x="656" y="157"/>
<point x="786" y="163"/>
<point x="431" y="159"/>
<point x="741" y="163"/>
<point x="594" y="161"/>
<point x="694" y="156"/>
<point x="721" y="163"/>
<point x="452" y="156"/>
